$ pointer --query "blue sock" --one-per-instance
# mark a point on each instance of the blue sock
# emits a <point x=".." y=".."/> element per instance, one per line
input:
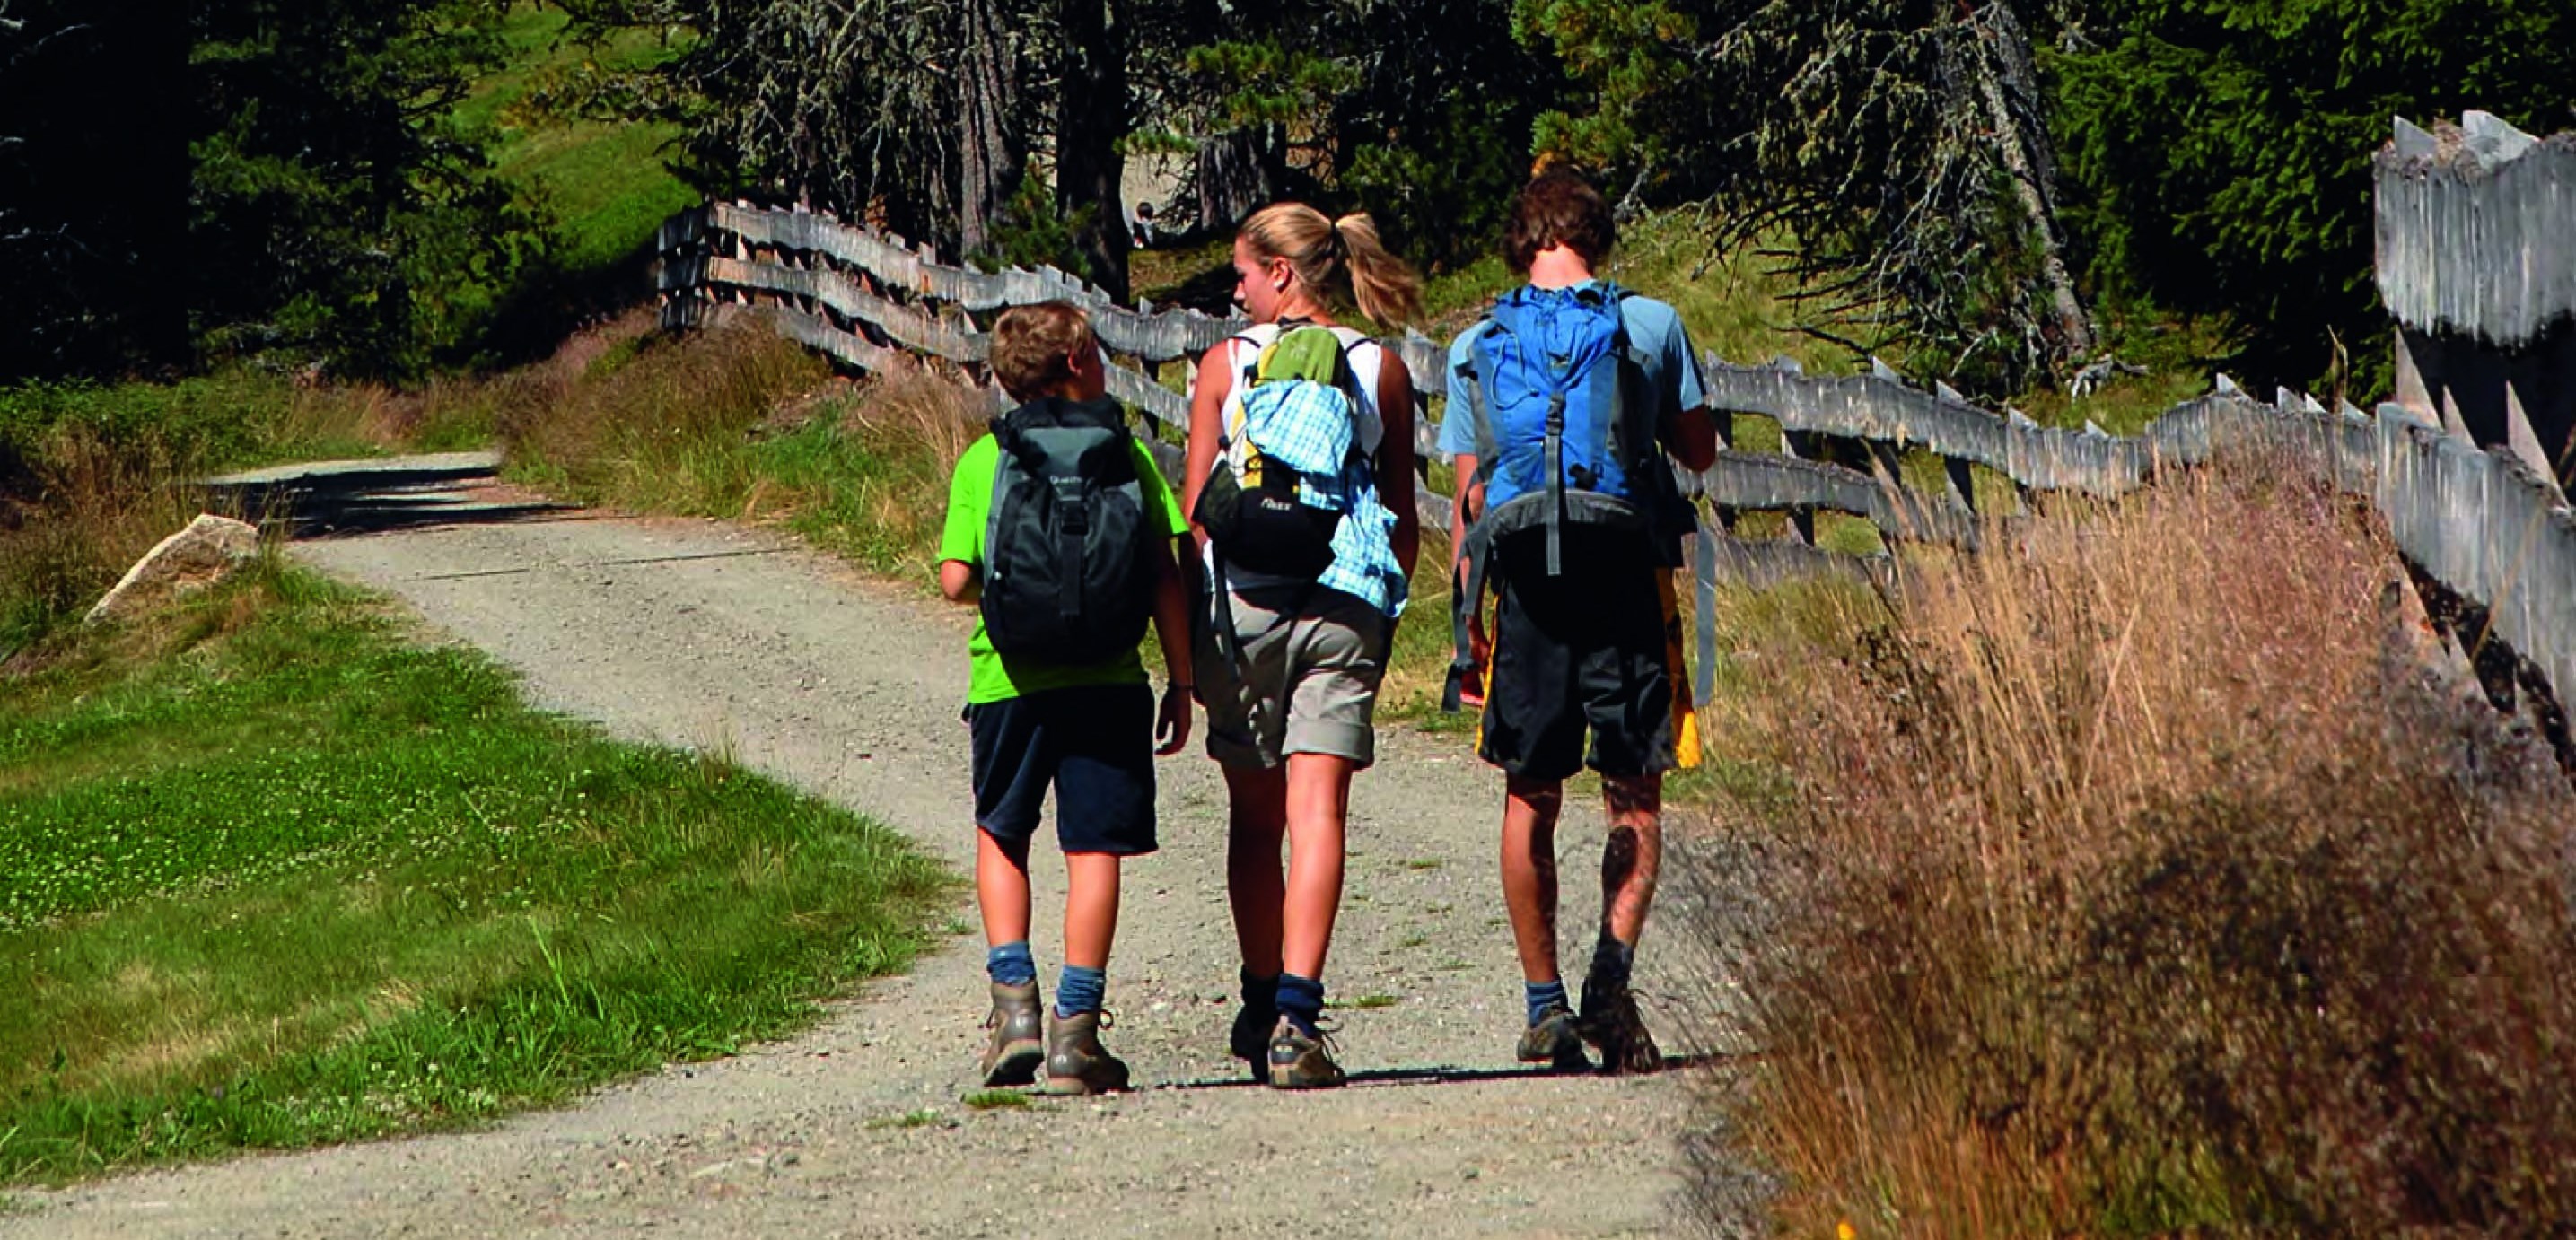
<point x="1301" y="1000"/>
<point x="1261" y="994"/>
<point x="1611" y="960"/>
<point x="1079" y="990"/>
<point x="1009" y="964"/>
<point x="1542" y="996"/>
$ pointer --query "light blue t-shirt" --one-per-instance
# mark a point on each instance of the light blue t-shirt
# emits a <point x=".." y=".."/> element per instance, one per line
<point x="1654" y="331"/>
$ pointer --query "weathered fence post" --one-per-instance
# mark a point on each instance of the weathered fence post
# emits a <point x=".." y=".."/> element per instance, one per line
<point x="2476" y="238"/>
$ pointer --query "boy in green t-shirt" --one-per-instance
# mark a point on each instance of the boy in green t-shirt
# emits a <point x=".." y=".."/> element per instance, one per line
<point x="1091" y="730"/>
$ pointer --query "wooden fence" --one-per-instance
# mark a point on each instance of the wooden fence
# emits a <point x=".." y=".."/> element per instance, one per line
<point x="2483" y="524"/>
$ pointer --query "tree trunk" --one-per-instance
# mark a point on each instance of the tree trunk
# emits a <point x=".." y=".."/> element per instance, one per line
<point x="1237" y="175"/>
<point x="1090" y="120"/>
<point x="989" y="152"/>
<point x="2021" y="138"/>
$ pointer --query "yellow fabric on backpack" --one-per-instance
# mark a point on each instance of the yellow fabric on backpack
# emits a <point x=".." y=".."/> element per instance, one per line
<point x="1685" y="711"/>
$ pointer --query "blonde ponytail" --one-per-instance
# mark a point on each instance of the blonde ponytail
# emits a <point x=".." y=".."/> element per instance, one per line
<point x="1386" y="288"/>
<point x="1338" y="258"/>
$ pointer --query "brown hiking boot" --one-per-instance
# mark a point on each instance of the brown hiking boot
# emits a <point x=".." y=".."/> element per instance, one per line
<point x="1554" y="1041"/>
<point x="1300" y="1060"/>
<point x="1018" y="1044"/>
<point x="1075" y="1061"/>
<point x="1611" y="1023"/>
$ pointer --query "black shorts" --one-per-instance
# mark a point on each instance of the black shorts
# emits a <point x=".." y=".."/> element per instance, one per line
<point x="1590" y="651"/>
<point x="1093" y="745"/>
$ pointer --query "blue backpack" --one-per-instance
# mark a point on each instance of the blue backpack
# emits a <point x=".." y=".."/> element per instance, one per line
<point x="1565" y="433"/>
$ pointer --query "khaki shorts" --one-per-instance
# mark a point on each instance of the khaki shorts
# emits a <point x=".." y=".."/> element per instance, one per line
<point x="1307" y="682"/>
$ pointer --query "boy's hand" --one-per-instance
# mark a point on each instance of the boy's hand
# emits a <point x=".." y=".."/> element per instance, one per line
<point x="1172" y="730"/>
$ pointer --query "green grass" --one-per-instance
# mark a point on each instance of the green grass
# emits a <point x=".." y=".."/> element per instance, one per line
<point x="1363" y="1003"/>
<point x="272" y="877"/>
<point x="603" y="184"/>
<point x="995" y="1099"/>
<point x="231" y="419"/>
<point x="2179" y="355"/>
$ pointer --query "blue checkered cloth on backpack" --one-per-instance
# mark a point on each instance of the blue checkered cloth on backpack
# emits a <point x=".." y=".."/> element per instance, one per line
<point x="1307" y="427"/>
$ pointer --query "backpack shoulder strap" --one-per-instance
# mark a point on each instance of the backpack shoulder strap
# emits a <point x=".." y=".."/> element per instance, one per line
<point x="1362" y="394"/>
<point x="993" y="505"/>
<point x="1616" y="298"/>
<point x="1243" y="351"/>
<point x="1243" y="359"/>
<point x="1476" y="371"/>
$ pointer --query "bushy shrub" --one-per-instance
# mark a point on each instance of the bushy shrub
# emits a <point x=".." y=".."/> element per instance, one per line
<point x="2133" y="878"/>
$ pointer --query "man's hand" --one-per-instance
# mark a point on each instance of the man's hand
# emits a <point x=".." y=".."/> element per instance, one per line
<point x="1172" y="730"/>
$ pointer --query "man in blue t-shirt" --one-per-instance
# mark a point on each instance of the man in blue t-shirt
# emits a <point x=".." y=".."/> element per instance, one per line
<point x="1593" y="649"/>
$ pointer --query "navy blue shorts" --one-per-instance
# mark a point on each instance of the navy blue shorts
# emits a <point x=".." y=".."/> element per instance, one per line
<point x="1591" y="652"/>
<point x="1093" y="745"/>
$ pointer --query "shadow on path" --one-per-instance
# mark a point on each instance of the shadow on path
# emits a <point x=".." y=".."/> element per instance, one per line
<point x="378" y="496"/>
<point x="1440" y="1074"/>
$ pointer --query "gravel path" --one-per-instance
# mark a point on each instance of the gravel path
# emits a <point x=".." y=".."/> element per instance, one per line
<point x="705" y="634"/>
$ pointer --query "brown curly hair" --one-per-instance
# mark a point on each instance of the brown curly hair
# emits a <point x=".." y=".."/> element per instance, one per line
<point x="1031" y="344"/>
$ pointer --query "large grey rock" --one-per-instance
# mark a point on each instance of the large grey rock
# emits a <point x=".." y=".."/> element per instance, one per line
<point x="210" y="550"/>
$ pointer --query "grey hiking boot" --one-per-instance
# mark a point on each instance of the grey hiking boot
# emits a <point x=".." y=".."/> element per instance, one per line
<point x="1076" y="1063"/>
<point x="1611" y="1023"/>
<point x="1300" y="1060"/>
<point x="1554" y="1041"/>
<point x="1018" y="1046"/>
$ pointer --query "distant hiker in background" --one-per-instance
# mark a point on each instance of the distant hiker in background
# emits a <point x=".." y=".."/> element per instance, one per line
<point x="1300" y="489"/>
<point x="1562" y="405"/>
<point x="1060" y="530"/>
<point x="1140" y="229"/>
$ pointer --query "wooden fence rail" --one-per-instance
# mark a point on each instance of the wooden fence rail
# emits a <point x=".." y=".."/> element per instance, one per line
<point x="2484" y="525"/>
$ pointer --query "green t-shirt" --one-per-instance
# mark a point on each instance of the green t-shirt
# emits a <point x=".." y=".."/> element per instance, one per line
<point x="993" y="678"/>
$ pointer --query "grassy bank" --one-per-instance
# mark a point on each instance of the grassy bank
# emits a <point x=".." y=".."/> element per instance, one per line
<point x="92" y="475"/>
<point x="2122" y="884"/>
<point x="602" y="183"/>
<point x="271" y="876"/>
<point x="741" y="424"/>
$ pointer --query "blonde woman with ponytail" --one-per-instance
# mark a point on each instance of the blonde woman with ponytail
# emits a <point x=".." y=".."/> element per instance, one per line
<point x="1290" y="703"/>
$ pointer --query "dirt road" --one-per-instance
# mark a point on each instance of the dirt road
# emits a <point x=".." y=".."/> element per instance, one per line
<point x="704" y="634"/>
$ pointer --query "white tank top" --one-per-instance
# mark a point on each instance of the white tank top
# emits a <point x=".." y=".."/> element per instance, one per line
<point x="1368" y="427"/>
<point x="1367" y="358"/>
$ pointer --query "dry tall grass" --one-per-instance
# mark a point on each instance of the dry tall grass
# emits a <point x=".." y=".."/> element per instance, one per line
<point x="92" y="477"/>
<point x="650" y="420"/>
<point x="87" y="509"/>
<point x="2132" y="880"/>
